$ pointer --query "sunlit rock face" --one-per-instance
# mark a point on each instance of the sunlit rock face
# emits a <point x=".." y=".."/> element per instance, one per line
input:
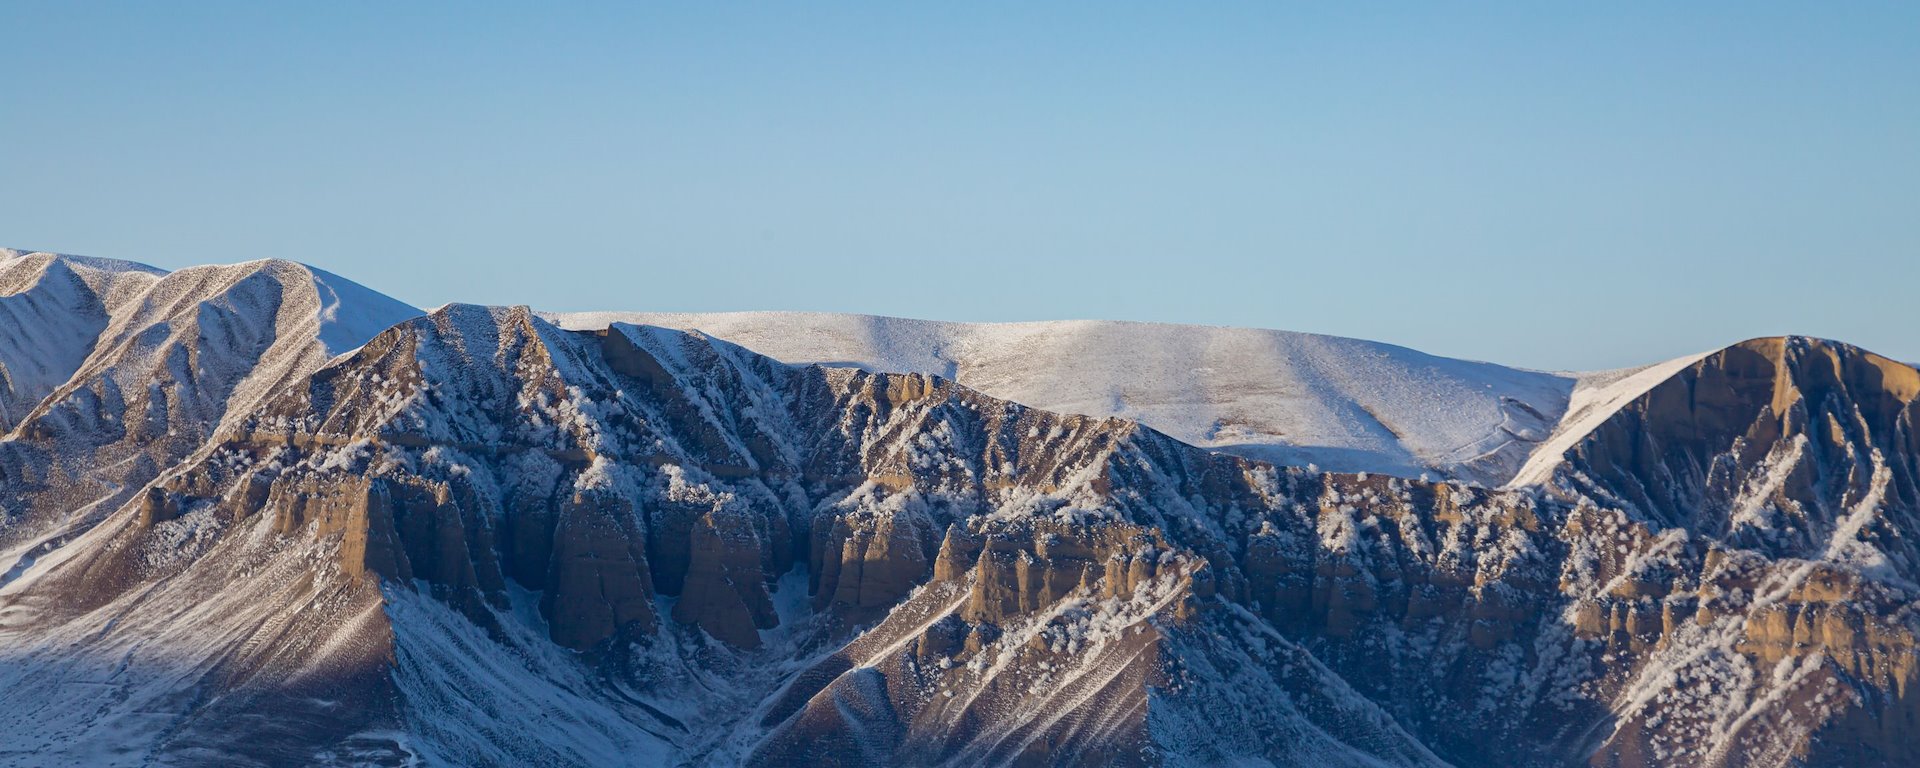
<point x="1764" y="572"/>
<point x="476" y="537"/>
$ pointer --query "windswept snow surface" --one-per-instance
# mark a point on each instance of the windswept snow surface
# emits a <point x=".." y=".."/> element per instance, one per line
<point x="1596" y="398"/>
<point x="351" y="313"/>
<point x="1294" y="398"/>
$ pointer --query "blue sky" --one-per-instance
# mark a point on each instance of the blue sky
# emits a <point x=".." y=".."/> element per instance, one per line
<point x="1554" y="185"/>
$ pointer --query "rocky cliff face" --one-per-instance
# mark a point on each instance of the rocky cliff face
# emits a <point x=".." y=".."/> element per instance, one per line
<point x="1766" y="492"/>
<point x="483" y="539"/>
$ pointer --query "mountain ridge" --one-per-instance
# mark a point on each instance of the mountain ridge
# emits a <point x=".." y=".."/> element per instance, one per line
<point x="482" y="538"/>
<point x="1294" y="398"/>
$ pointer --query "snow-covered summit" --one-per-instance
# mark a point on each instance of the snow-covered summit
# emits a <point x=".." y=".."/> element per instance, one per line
<point x="1295" y="398"/>
<point x="346" y="313"/>
<point x="220" y="333"/>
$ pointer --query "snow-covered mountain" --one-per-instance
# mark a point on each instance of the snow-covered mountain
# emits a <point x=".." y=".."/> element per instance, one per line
<point x="54" y="307"/>
<point x="1343" y="405"/>
<point x="251" y="528"/>
<point x="118" y="371"/>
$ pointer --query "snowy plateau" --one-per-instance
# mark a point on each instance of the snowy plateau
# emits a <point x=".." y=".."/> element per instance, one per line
<point x="260" y="515"/>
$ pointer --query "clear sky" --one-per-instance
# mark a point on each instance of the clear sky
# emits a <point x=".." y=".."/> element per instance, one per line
<point x="1556" y="185"/>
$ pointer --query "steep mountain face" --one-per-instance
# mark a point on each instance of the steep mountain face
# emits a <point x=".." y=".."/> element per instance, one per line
<point x="1344" y="405"/>
<point x="1770" y="488"/>
<point x="481" y="538"/>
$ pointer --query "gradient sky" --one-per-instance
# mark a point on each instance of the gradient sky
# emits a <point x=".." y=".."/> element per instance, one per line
<point x="1553" y="185"/>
